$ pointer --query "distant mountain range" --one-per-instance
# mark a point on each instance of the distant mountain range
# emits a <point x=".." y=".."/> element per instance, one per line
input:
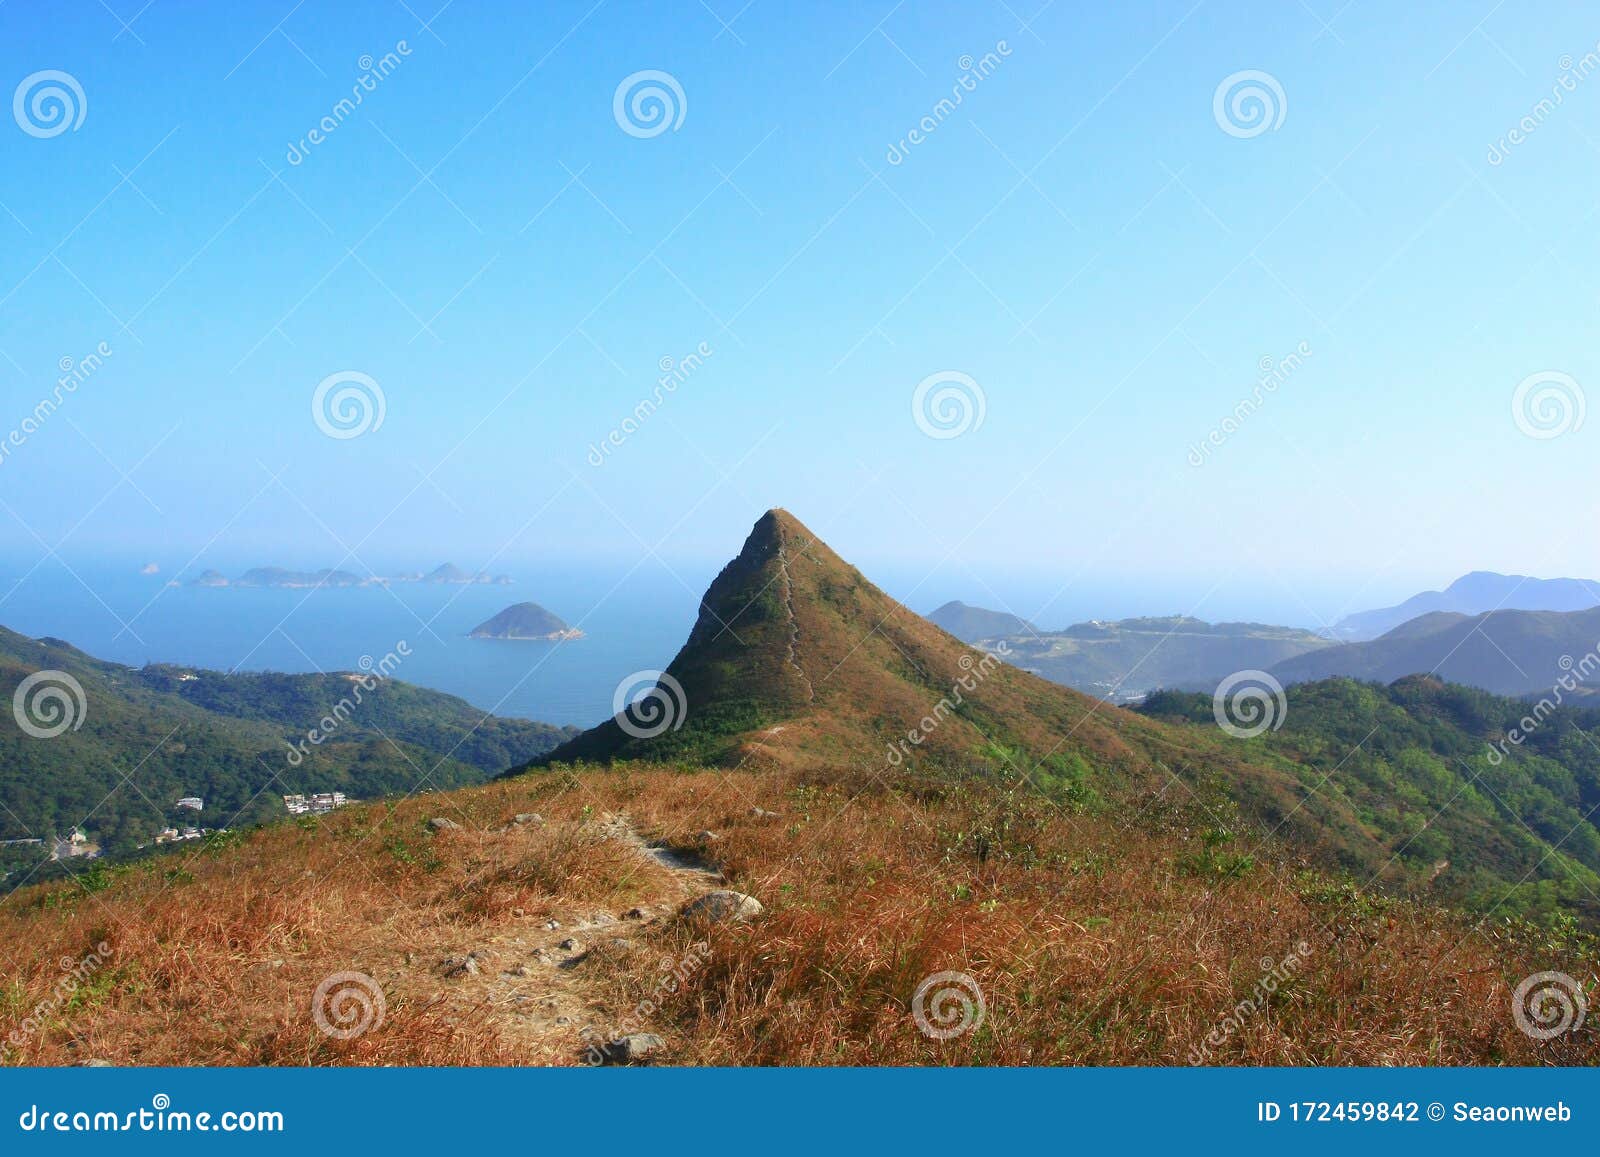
<point x="1507" y="652"/>
<point x="525" y="621"/>
<point x="1503" y="633"/>
<point x="1126" y="659"/>
<point x="970" y="624"/>
<point x="1474" y="594"/>
<point x="277" y="576"/>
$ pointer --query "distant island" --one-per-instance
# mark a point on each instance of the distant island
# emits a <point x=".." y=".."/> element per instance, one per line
<point x="281" y="577"/>
<point x="525" y="621"/>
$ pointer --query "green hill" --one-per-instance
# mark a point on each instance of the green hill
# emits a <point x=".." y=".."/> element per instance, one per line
<point x="524" y="621"/>
<point x="798" y="662"/>
<point x="140" y="739"/>
<point x="1471" y="818"/>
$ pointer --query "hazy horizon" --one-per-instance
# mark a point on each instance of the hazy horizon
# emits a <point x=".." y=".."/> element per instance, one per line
<point x="507" y="263"/>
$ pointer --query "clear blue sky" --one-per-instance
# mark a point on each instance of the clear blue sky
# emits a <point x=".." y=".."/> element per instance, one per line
<point x="1079" y="236"/>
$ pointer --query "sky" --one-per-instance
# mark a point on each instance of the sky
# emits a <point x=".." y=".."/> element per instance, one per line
<point x="1078" y="269"/>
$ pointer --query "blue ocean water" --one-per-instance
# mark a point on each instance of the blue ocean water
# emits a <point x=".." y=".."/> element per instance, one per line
<point x="633" y="620"/>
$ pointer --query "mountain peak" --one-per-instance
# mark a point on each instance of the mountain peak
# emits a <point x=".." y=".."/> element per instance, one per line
<point x="795" y="657"/>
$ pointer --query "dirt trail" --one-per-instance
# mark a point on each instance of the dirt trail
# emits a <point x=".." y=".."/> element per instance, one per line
<point x="536" y="981"/>
<point x="794" y="624"/>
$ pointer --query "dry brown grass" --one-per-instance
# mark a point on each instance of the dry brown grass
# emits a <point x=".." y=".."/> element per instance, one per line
<point x="1093" y="942"/>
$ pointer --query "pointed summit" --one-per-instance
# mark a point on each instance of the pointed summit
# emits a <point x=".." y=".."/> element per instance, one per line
<point x="797" y="658"/>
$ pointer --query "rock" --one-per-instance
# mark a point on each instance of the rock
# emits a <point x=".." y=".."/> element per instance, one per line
<point x="528" y="818"/>
<point x="552" y="925"/>
<point x="570" y="945"/>
<point x="707" y="836"/>
<point x="518" y="972"/>
<point x="634" y="914"/>
<point x="724" y="906"/>
<point x="442" y="824"/>
<point x="96" y="1063"/>
<point x="459" y="966"/>
<point x="636" y="1046"/>
<point x="763" y="814"/>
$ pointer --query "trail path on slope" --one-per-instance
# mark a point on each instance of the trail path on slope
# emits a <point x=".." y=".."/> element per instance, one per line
<point x="539" y="982"/>
<point x="794" y="624"/>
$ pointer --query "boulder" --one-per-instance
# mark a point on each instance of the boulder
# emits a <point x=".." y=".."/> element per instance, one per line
<point x="723" y="906"/>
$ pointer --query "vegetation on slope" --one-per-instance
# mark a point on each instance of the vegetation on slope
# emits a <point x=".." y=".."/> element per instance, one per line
<point x="1466" y="816"/>
<point x="146" y="738"/>
<point x="1127" y="938"/>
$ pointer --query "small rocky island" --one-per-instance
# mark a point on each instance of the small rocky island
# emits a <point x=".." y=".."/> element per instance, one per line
<point x="525" y="621"/>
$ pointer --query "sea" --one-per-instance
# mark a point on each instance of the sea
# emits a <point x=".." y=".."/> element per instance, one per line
<point x="634" y="620"/>
<point x="635" y="616"/>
